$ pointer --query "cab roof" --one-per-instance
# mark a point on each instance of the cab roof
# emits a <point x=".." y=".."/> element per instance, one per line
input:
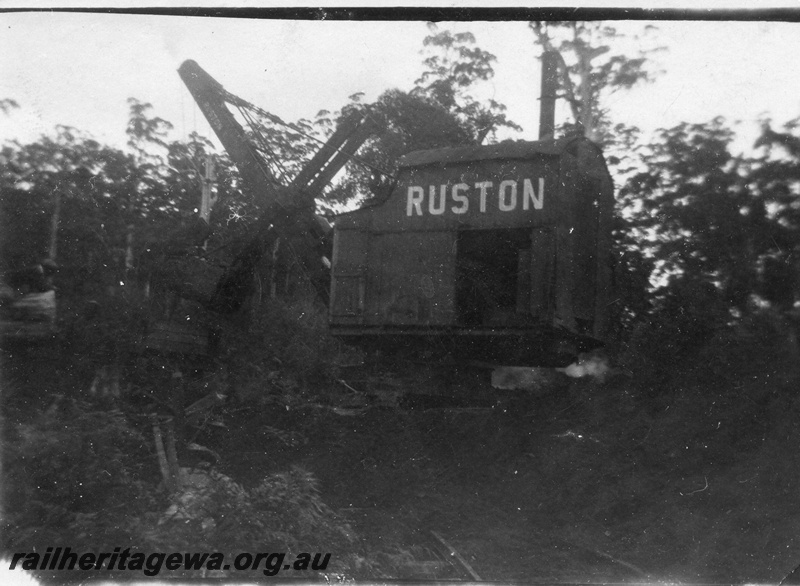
<point x="504" y="150"/>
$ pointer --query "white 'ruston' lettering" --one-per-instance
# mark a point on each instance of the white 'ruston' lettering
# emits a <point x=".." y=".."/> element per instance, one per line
<point x="529" y="195"/>
<point x="414" y="201"/>
<point x="460" y="198"/>
<point x="483" y="186"/>
<point x="502" y="203"/>
<point x="507" y="199"/>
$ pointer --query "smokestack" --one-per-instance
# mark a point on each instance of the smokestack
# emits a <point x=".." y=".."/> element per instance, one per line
<point x="547" y="112"/>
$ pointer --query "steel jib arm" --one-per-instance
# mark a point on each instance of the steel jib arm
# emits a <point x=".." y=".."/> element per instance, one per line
<point x="311" y="170"/>
<point x="290" y="210"/>
<point x="210" y="97"/>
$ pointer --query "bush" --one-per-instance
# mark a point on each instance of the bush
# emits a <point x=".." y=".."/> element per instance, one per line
<point x="86" y="478"/>
<point x="284" y="512"/>
<point x="74" y="475"/>
<point x="288" y="344"/>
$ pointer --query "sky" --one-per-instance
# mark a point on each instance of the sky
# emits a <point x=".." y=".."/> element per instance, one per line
<point x="79" y="69"/>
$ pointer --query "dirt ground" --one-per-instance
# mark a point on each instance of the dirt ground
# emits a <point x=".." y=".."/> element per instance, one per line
<point x="592" y="481"/>
<point x="690" y="478"/>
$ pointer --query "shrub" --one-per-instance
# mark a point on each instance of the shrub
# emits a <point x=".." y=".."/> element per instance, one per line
<point x="283" y="513"/>
<point x="287" y="343"/>
<point x="74" y="475"/>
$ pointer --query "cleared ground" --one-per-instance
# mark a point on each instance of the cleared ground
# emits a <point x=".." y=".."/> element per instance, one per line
<point x="687" y="473"/>
<point x="693" y="480"/>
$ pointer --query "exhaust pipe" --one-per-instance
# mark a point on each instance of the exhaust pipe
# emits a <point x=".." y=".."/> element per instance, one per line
<point x="547" y="107"/>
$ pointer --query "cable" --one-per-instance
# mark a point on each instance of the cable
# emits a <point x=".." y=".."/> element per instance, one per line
<point x="260" y="161"/>
<point x="245" y="105"/>
<point x="264" y="146"/>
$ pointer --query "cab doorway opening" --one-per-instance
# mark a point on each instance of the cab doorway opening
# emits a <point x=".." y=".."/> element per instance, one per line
<point x="493" y="277"/>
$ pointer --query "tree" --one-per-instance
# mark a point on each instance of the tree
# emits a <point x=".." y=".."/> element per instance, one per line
<point x="112" y="204"/>
<point x="454" y="66"/>
<point x="593" y="63"/>
<point x="24" y="227"/>
<point x="7" y="104"/>
<point x="57" y="176"/>
<point x="727" y="223"/>
<point x="406" y="122"/>
<point x="590" y="70"/>
<point x="439" y="111"/>
<point x="775" y="181"/>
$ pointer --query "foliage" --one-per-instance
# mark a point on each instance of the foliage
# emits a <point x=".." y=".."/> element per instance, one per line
<point x="84" y="475"/>
<point x="590" y="70"/>
<point x="7" y="104"/>
<point x="454" y="67"/>
<point x="101" y="191"/>
<point x="407" y="122"/>
<point x="24" y="228"/>
<point x="144" y="132"/>
<point x="75" y="474"/>
<point x="283" y="512"/>
<point x="287" y="352"/>
<point x="631" y="276"/>
<point x="80" y="177"/>
<point x="706" y="216"/>
<point x="440" y="111"/>
<point x="775" y="183"/>
<point x="720" y="232"/>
